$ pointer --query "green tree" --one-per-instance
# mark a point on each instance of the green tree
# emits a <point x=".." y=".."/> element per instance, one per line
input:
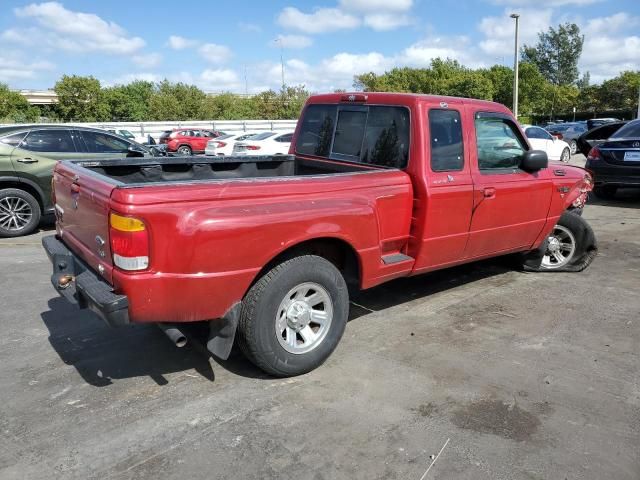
<point x="129" y="103"/>
<point x="14" y="108"/>
<point x="620" y="92"/>
<point x="557" y="53"/>
<point x="81" y="99"/>
<point x="176" y="101"/>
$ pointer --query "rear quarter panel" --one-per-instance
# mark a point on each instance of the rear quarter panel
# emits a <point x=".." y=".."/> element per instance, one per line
<point x="210" y="240"/>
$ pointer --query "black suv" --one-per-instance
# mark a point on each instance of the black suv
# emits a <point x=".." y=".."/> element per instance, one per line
<point x="28" y="154"/>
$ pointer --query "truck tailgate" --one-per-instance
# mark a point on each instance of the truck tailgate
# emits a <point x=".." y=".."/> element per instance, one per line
<point x="82" y="213"/>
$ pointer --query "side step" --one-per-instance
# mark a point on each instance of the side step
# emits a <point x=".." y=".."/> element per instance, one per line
<point x="396" y="258"/>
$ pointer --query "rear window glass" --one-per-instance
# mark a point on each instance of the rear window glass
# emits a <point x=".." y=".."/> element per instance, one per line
<point x="630" y="130"/>
<point x="262" y="136"/>
<point x="224" y="137"/>
<point x="377" y="135"/>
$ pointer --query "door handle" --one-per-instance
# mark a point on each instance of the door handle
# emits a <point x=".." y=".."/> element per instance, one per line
<point x="489" y="192"/>
<point x="27" y="160"/>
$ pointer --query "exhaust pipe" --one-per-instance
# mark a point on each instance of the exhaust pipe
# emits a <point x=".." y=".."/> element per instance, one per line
<point x="175" y="335"/>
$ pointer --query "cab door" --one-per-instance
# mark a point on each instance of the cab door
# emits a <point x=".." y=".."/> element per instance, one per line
<point x="445" y="205"/>
<point x="510" y="206"/>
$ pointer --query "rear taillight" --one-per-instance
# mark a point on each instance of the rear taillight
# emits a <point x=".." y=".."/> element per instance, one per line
<point x="129" y="242"/>
<point x="221" y="144"/>
<point x="594" y="155"/>
<point x="558" y="136"/>
<point x="253" y="147"/>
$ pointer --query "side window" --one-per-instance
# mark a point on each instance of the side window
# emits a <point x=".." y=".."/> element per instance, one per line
<point x="50" y="140"/>
<point x="446" y="140"/>
<point x="104" y="143"/>
<point x="285" y="138"/>
<point x="533" y="132"/>
<point x="13" y="140"/>
<point x="498" y="142"/>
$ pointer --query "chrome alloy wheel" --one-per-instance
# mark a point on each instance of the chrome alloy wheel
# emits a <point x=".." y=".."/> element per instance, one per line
<point x="303" y="318"/>
<point x="561" y="248"/>
<point x="15" y="213"/>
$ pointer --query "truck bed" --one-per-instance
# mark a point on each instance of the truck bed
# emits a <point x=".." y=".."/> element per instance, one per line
<point x="134" y="171"/>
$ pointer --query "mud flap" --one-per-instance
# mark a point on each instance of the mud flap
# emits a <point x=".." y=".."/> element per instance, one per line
<point x="222" y="332"/>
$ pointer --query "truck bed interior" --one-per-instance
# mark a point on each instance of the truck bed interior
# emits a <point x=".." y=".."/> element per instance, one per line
<point x="184" y="169"/>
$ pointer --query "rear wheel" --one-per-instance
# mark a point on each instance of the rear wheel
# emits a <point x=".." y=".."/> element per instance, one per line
<point x="574" y="147"/>
<point x="605" y="192"/>
<point x="185" y="150"/>
<point x="294" y="316"/>
<point x="566" y="155"/>
<point x="19" y="213"/>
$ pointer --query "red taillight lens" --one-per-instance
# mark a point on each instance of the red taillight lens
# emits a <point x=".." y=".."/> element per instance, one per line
<point x="129" y="242"/>
<point x="253" y="147"/>
<point x="221" y="144"/>
<point x="558" y="136"/>
<point x="594" y="155"/>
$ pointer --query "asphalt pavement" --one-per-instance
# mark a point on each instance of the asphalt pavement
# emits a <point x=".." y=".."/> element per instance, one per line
<point x="490" y="373"/>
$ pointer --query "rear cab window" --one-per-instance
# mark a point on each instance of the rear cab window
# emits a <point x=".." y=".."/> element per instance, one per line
<point x="369" y="134"/>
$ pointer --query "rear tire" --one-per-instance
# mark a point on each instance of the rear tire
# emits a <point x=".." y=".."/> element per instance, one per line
<point x="574" y="147"/>
<point x="185" y="150"/>
<point x="566" y="156"/>
<point x="19" y="213"/>
<point x="571" y="247"/>
<point x="278" y="329"/>
<point x="605" y="192"/>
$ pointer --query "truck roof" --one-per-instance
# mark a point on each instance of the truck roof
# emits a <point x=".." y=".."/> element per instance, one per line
<point x="401" y="99"/>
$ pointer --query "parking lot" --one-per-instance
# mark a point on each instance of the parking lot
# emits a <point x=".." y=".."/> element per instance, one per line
<point x="508" y="375"/>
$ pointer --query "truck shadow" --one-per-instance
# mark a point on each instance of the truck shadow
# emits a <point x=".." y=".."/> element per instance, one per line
<point x="102" y="354"/>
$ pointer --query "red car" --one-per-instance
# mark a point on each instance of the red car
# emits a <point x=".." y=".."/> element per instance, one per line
<point x="187" y="141"/>
<point x="266" y="250"/>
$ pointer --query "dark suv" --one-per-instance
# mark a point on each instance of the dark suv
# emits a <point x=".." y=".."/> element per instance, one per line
<point x="27" y="156"/>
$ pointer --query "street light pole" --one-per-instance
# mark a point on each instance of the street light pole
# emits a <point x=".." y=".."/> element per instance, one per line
<point x="515" y="69"/>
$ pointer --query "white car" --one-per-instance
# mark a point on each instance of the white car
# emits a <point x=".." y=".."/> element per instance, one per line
<point x="223" y="145"/>
<point x="267" y="143"/>
<point x="540" y="139"/>
<point x="128" y="135"/>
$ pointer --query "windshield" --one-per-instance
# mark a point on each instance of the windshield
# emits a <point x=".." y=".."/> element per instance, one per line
<point x="262" y="136"/>
<point x="126" y="133"/>
<point x="630" y="130"/>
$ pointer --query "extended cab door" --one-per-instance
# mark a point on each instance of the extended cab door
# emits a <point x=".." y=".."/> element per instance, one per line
<point x="442" y="212"/>
<point x="510" y="206"/>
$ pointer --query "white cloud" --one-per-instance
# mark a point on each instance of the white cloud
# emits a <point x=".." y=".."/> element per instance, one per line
<point x="320" y="21"/>
<point x="386" y="21"/>
<point x="607" y="51"/>
<point x="499" y="31"/>
<point x="214" y="53"/>
<point x="177" y="42"/>
<point x="147" y="60"/>
<point x="72" y="31"/>
<point x="221" y="75"/>
<point x="14" y="68"/>
<point x="292" y="41"/>
<point x="366" y="6"/>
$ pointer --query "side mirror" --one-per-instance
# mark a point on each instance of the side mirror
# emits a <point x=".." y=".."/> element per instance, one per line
<point x="135" y="151"/>
<point x="534" y="160"/>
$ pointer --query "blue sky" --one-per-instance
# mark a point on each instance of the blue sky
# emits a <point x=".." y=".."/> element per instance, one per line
<point x="216" y="45"/>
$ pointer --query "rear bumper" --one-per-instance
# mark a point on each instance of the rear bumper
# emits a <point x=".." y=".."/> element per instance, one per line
<point x="87" y="289"/>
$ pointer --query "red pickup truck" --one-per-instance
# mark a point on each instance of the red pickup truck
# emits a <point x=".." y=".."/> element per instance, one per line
<point x="266" y="249"/>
